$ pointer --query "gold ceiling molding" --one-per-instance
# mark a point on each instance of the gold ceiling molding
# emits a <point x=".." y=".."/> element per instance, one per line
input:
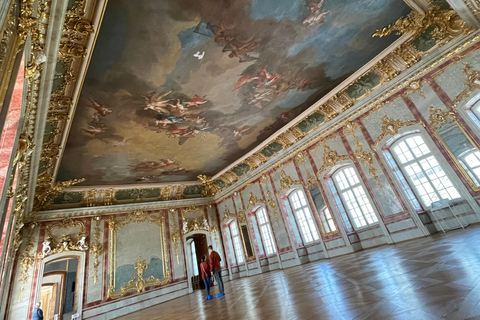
<point x="44" y="195"/>
<point x="72" y="50"/>
<point x="209" y="188"/>
<point x="391" y="127"/>
<point x="377" y="104"/>
<point x="447" y="24"/>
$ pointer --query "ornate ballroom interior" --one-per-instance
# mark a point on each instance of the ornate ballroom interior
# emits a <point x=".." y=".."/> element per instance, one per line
<point x="311" y="143"/>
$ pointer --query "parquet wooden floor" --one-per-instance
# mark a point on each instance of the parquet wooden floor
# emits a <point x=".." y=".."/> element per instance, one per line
<point x="436" y="277"/>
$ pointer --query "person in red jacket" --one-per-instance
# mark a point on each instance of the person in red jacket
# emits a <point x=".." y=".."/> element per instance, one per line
<point x="206" y="274"/>
<point x="216" y="270"/>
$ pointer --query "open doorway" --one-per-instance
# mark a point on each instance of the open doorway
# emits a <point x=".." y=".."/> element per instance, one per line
<point x="197" y="246"/>
<point x="59" y="294"/>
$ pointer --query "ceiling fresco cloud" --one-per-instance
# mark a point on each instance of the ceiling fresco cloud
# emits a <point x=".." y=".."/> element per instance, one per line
<point x="177" y="88"/>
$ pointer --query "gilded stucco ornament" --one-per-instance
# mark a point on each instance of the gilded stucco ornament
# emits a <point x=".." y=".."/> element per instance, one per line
<point x="367" y="159"/>
<point x="391" y="127"/>
<point x="97" y="248"/>
<point x="253" y="200"/>
<point x="447" y="24"/>
<point x="331" y="158"/>
<point x="438" y="117"/>
<point x="44" y="196"/>
<point x="209" y="188"/>
<point x="66" y="242"/>
<point x="472" y="82"/>
<point x="175" y="234"/>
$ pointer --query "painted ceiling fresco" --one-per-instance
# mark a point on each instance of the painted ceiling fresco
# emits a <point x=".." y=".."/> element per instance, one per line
<point x="177" y="88"/>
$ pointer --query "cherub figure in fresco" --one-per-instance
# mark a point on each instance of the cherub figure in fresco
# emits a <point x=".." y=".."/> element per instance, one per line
<point x="262" y="78"/>
<point x="164" y="119"/>
<point x="156" y="103"/>
<point x="316" y="16"/>
<point x="196" y="101"/>
<point x="102" y="109"/>
<point x="241" y="50"/>
<point x="92" y="130"/>
<point x="241" y="131"/>
<point x="238" y="49"/>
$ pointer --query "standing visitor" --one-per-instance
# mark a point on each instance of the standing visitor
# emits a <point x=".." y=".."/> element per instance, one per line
<point x="216" y="270"/>
<point x="37" y="312"/>
<point x="206" y="274"/>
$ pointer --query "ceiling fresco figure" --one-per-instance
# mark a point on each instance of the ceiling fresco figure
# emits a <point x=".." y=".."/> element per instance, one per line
<point x="202" y="82"/>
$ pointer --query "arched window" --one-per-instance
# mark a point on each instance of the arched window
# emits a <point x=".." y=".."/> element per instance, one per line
<point x="265" y="231"/>
<point x="354" y="197"/>
<point x="470" y="160"/>
<point x="303" y="215"/>
<point x="422" y="169"/>
<point x="194" y="258"/>
<point x="237" y="242"/>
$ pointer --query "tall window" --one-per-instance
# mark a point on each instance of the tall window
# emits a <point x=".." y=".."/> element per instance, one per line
<point x="304" y="217"/>
<point x="422" y="169"/>
<point x="354" y="197"/>
<point x="194" y="258"/>
<point x="327" y="220"/>
<point x="237" y="242"/>
<point x="470" y="160"/>
<point x="266" y="231"/>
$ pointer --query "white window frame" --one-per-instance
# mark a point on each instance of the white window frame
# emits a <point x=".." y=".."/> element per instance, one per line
<point x="354" y="197"/>
<point x="472" y="169"/>
<point x="265" y="231"/>
<point x="303" y="216"/>
<point x="427" y="157"/>
<point x="327" y="220"/>
<point x="237" y="242"/>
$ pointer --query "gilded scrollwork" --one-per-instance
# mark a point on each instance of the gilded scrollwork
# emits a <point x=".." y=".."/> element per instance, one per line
<point x="331" y="158"/>
<point x="175" y="234"/>
<point x="438" y="117"/>
<point x="447" y="24"/>
<point x="391" y="127"/>
<point x="66" y="243"/>
<point x="209" y="187"/>
<point x="44" y="196"/>
<point x="253" y="200"/>
<point x="472" y="82"/>
<point x="286" y="182"/>
<point x="96" y="248"/>
<point x="196" y="223"/>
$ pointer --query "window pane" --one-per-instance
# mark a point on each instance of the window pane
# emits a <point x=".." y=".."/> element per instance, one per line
<point x="424" y="171"/>
<point x="303" y="215"/>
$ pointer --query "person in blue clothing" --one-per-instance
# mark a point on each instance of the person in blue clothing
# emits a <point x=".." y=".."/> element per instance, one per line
<point x="37" y="312"/>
